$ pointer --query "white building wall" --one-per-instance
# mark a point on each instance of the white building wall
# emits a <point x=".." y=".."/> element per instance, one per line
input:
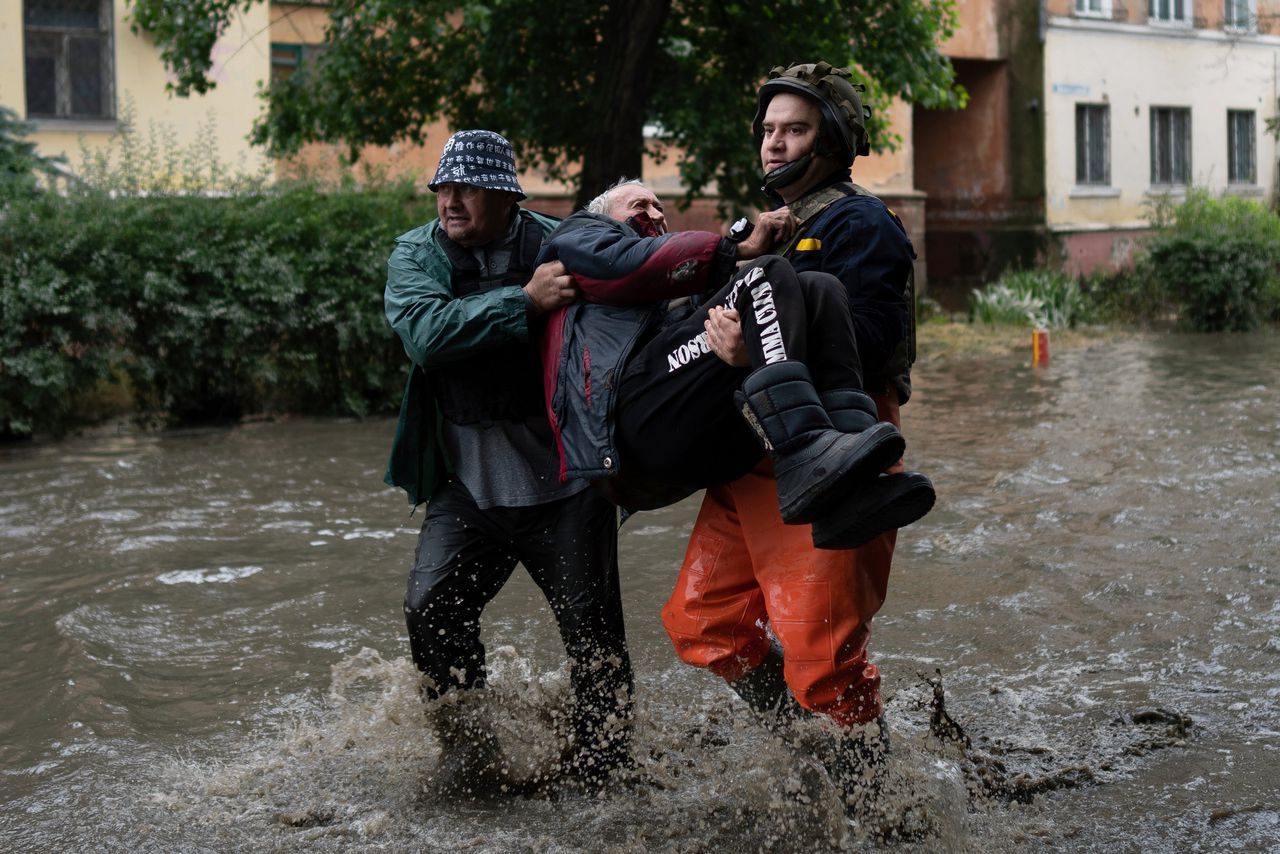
<point x="1132" y="68"/>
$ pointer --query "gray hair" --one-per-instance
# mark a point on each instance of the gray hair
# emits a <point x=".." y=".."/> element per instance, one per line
<point x="600" y="204"/>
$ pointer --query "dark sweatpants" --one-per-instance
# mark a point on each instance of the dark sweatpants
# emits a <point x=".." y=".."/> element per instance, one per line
<point x="570" y="549"/>
<point x="676" y="419"/>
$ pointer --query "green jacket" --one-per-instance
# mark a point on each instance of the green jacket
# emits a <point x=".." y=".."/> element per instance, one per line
<point x="436" y="329"/>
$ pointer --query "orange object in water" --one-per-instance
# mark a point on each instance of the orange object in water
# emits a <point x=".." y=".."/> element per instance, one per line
<point x="1039" y="346"/>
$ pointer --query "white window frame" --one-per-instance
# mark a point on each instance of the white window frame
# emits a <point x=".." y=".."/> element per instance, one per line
<point x="1103" y="9"/>
<point x="1250" y="10"/>
<point x="1232" y="145"/>
<point x="1168" y="15"/>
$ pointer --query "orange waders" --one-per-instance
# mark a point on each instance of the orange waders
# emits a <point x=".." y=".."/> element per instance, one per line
<point x="745" y="569"/>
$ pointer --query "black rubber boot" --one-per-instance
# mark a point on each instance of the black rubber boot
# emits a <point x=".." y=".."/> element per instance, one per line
<point x="472" y="763"/>
<point x="766" y="692"/>
<point x="594" y="750"/>
<point x="850" y="410"/>
<point x="813" y="462"/>
<point x="890" y="502"/>
<point x="854" y="759"/>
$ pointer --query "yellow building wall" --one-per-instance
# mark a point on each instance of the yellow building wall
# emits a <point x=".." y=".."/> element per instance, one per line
<point x="977" y="33"/>
<point x="241" y="59"/>
<point x="890" y="172"/>
<point x="11" y="64"/>
<point x="298" y="23"/>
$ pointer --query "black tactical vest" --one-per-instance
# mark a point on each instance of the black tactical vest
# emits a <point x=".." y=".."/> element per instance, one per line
<point x="503" y="383"/>
<point x="898" y="371"/>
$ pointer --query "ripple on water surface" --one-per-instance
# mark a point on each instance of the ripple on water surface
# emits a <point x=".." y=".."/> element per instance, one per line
<point x="1097" y="587"/>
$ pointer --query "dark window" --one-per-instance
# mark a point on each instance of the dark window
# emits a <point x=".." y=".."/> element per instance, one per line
<point x="68" y="58"/>
<point x="1237" y="15"/>
<point x="286" y="59"/>
<point x="1242" y="152"/>
<point x="1170" y="145"/>
<point x="1093" y="144"/>
<point x="1169" y="10"/>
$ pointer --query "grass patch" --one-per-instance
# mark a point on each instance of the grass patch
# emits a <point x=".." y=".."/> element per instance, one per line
<point x="942" y="341"/>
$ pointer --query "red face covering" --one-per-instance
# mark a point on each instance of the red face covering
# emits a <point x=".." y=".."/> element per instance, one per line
<point x="643" y="225"/>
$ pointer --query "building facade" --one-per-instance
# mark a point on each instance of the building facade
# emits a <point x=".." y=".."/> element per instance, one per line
<point x="76" y="71"/>
<point x="1082" y="115"/>
<point x="981" y="168"/>
<point x="1145" y="100"/>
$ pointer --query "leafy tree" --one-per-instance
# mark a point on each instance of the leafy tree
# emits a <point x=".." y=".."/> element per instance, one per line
<point x="572" y="83"/>
<point x="20" y="164"/>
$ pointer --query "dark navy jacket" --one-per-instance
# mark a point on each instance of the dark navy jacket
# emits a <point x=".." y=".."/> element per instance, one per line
<point x="625" y="279"/>
<point x="864" y="245"/>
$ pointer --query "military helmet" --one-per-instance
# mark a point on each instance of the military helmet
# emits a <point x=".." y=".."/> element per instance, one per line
<point x="843" y="133"/>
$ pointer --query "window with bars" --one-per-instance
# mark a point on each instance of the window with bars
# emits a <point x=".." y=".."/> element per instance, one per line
<point x="1170" y="145"/>
<point x="68" y="55"/>
<point x="1242" y="149"/>
<point x="1240" y="15"/>
<point x="1170" y="11"/>
<point x="1093" y="144"/>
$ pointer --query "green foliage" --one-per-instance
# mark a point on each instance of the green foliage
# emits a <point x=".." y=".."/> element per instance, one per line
<point x="131" y="162"/>
<point x="211" y="307"/>
<point x="58" y="334"/>
<point x="186" y="31"/>
<point x="1040" y="298"/>
<point x="571" y="82"/>
<point x="1216" y="259"/>
<point x="20" y="164"/>
<point x="1134" y="295"/>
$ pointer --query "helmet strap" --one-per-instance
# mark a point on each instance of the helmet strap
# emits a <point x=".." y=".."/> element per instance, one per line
<point x="787" y="174"/>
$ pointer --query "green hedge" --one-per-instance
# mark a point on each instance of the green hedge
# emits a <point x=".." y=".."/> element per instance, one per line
<point x="204" y="307"/>
<point x="1212" y="264"/>
<point x="1217" y="260"/>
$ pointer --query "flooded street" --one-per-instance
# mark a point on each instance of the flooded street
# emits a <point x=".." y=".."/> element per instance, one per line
<point x="204" y="645"/>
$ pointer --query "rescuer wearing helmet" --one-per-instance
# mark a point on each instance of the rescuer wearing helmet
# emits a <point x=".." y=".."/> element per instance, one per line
<point x="745" y="570"/>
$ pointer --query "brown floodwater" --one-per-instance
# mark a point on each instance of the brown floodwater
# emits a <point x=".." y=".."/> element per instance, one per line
<point x="203" y="647"/>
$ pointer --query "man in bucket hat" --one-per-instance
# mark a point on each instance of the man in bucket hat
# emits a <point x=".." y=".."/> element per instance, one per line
<point x="468" y="300"/>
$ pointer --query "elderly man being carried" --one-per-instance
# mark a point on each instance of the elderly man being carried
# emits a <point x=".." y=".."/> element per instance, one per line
<point x="640" y="404"/>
